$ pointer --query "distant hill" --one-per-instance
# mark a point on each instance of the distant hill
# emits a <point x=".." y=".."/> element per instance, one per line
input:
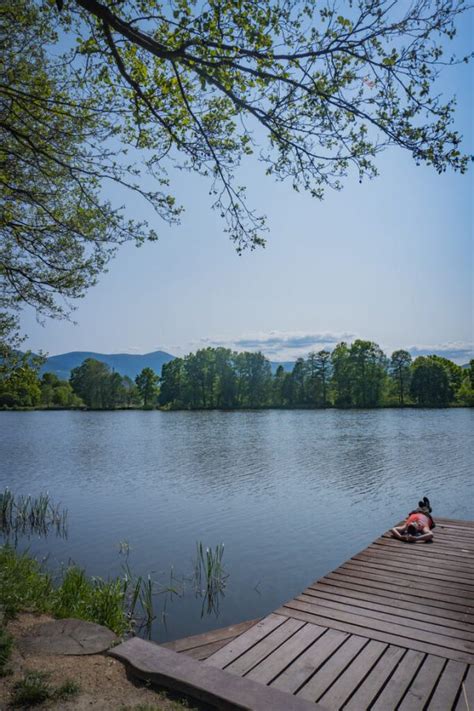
<point x="123" y="363"/>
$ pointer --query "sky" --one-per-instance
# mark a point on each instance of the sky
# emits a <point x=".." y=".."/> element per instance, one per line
<point x="388" y="260"/>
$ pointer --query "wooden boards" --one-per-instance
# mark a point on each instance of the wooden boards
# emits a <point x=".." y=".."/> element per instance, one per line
<point x="208" y="684"/>
<point x="393" y="627"/>
<point x="201" y="646"/>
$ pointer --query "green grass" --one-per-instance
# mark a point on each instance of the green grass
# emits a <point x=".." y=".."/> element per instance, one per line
<point x="67" y="690"/>
<point x="34" y="689"/>
<point x="25" y="586"/>
<point x="172" y="705"/>
<point x="93" y="599"/>
<point x="6" y="644"/>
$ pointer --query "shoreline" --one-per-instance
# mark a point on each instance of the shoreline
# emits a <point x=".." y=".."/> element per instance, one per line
<point x="452" y="406"/>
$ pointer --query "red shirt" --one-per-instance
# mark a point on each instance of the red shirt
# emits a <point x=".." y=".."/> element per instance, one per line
<point x="419" y="520"/>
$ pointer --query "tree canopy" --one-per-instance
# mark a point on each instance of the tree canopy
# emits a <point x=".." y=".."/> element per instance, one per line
<point x="358" y="375"/>
<point x="315" y="90"/>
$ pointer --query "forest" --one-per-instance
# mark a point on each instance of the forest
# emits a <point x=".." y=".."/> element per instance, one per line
<point x="357" y="375"/>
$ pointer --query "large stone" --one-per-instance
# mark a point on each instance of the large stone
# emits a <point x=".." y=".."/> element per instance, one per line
<point x="67" y="637"/>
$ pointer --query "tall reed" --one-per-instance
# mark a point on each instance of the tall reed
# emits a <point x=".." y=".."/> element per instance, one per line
<point x="210" y="576"/>
<point x="28" y="515"/>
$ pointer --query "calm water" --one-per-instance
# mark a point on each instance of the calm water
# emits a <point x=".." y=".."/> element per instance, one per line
<point x="292" y="494"/>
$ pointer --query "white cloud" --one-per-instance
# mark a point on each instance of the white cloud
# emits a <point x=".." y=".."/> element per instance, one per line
<point x="458" y="351"/>
<point x="280" y="345"/>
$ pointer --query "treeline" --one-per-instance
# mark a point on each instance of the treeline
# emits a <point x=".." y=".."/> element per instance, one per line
<point x="359" y="375"/>
<point x="92" y="385"/>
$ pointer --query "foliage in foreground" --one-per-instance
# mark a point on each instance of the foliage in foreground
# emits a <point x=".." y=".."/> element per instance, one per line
<point x="24" y="585"/>
<point x="171" y="704"/>
<point x="6" y="644"/>
<point x="316" y="90"/>
<point x="34" y="689"/>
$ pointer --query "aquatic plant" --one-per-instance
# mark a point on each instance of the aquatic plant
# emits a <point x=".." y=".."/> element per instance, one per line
<point x="209" y="576"/>
<point x="28" y="515"/>
<point x="141" y="593"/>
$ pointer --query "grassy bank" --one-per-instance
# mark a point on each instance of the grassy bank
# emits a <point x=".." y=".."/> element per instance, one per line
<point x="25" y="586"/>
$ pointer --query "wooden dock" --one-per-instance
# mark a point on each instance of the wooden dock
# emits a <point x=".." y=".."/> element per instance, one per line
<point x="391" y="628"/>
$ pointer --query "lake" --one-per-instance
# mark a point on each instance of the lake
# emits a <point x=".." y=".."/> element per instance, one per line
<point x="291" y="494"/>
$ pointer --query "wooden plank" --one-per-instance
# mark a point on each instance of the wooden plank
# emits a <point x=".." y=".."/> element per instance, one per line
<point x="466" y="697"/>
<point x="444" y="582"/>
<point x="401" y="610"/>
<point x="431" y="631"/>
<point x="443" y="543"/>
<point x="357" y="626"/>
<point x="460" y="597"/>
<point x="447" y="566"/>
<point x="454" y="532"/>
<point x="245" y="641"/>
<point x="262" y="649"/>
<point x="398" y="683"/>
<point x="448" y="687"/>
<point x="402" y="605"/>
<point x="387" y="583"/>
<point x="331" y="670"/>
<point x="426" y="568"/>
<point x="209" y="685"/>
<point x="205" y="651"/>
<point x="410" y="554"/>
<point x="421" y="688"/>
<point x="353" y="675"/>
<point x="438" y="545"/>
<point x="456" y="522"/>
<point x="310" y="661"/>
<point x="451" y="531"/>
<point x="200" y="640"/>
<point x="377" y="678"/>
<point x="457" y="553"/>
<point x="281" y="658"/>
<point x="387" y="590"/>
<point x="443" y="538"/>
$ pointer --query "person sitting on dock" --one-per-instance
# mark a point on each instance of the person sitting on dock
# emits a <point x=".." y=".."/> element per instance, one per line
<point x="418" y="525"/>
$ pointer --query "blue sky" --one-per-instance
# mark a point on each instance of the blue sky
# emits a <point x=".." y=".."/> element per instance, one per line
<point x="389" y="260"/>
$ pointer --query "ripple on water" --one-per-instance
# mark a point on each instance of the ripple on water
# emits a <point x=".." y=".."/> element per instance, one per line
<point x="279" y="488"/>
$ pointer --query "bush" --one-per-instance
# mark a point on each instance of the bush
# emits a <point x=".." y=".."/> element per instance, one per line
<point x="23" y="585"/>
<point x="34" y="689"/>
<point x="6" y="644"/>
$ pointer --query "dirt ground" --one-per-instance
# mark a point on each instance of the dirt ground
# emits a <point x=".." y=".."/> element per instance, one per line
<point x="104" y="685"/>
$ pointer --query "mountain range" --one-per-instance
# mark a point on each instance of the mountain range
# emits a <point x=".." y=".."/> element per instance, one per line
<point x="123" y="363"/>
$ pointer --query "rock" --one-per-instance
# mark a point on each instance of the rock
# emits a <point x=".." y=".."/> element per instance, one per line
<point x="67" y="637"/>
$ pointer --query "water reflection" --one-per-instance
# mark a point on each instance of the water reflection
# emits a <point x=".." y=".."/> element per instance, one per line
<point x="24" y="516"/>
<point x="270" y="484"/>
